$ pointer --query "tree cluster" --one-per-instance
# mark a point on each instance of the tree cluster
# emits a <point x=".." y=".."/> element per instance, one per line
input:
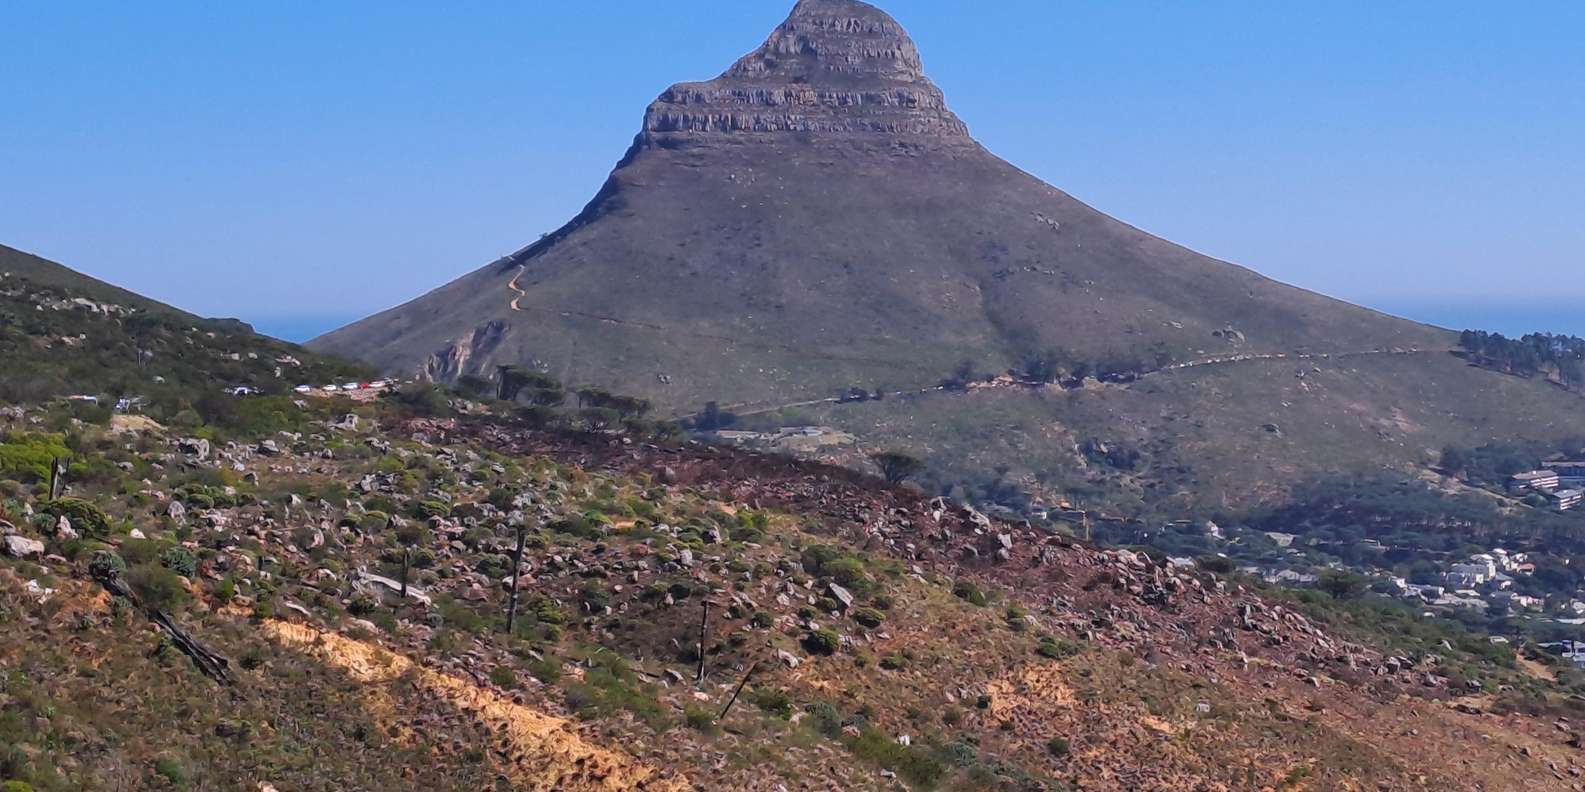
<point x="1536" y="354"/>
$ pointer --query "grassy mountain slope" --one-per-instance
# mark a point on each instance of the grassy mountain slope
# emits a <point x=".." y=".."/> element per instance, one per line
<point x="43" y="272"/>
<point x="1058" y="666"/>
<point x="816" y="219"/>
<point x="63" y="333"/>
<point x="1213" y="439"/>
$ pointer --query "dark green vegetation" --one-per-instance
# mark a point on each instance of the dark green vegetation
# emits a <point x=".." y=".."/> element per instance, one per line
<point x="63" y="334"/>
<point x="1556" y="357"/>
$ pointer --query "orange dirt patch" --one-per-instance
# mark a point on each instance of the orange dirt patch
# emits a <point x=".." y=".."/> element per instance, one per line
<point x="552" y="756"/>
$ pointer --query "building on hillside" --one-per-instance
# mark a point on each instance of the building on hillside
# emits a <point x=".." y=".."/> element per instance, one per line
<point x="1292" y="579"/>
<point x="1475" y="573"/>
<point x="1564" y="500"/>
<point x="1535" y="481"/>
<point x="1486" y="561"/>
<point x="1573" y="470"/>
<point x="1462" y="599"/>
<point x="1516" y="601"/>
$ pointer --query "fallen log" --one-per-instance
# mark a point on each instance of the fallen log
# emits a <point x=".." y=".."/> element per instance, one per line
<point x="209" y="663"/>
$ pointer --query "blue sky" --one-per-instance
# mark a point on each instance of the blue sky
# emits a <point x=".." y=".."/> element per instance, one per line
<point x="301" y="164"/>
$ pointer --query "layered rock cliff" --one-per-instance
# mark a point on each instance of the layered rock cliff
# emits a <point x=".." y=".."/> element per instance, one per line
<point x="834" y="68"/>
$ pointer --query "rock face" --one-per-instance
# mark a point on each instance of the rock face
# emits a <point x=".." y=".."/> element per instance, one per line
<point x="22" y="547"/>
<point x="834" y="69"/>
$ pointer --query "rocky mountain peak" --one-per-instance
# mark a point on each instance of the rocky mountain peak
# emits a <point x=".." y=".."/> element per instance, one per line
<point x="835" y="41"/>
<point x="835" y="69"/>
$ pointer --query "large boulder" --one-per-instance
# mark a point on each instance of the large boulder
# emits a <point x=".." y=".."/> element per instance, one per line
<point x="195" y="447"/>
<point x="22" y="547"/>
<point x="841" y="595"/>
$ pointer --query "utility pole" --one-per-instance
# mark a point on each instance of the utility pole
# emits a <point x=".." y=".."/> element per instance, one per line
<point x="704" y="623"/>
<point x="517" y="564"/>
<point x="57" y="478"/>
<point x="500" y="382"/>
<point x="407" y="562"/>
<point x="739" y="691"/>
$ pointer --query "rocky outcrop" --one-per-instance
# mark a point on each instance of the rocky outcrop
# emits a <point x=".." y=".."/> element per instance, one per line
<point x="834" y="68"/>
<point x="447" y="364"/>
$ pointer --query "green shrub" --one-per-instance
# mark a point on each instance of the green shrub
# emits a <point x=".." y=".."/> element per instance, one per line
<point x="172" y="771"/>
<point x="88" y="519"/>
<point x="106" y="564"/>
<point x="251" y="659"/>
<point x="914" y="763"/>
<point x="771" y="700"/>
<point x="27" y="457"/>
<point x="869" y="617"/>
<point x="157" y="587"/>
<point x="699" y="719"/>
<point x="430" y="508"/>
<point x="594" y="599"/>
<point x="457" y="615"/>
<point x="16" y="786"/>
<point x="546" y="670"/>
<point x="1017" y="619"/>
<point x="503" y="677"/>
<point x="824" y="718"/>
<point x="142" y="551"/>
<point x="822" y="642"/>
<point x="968" y="592"/>
<point x="180" y="560"/>
<point x="1057" y="649"/>
<point x="1058" y="746"/>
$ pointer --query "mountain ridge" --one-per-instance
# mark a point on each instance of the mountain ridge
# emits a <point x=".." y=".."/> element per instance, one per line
<point x="814" y="220"/>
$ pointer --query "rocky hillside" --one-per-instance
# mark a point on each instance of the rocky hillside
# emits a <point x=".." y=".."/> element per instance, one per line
<point x="64" y="334"/>
<point x="327" y="608"/>
<point x="816" y="219"/>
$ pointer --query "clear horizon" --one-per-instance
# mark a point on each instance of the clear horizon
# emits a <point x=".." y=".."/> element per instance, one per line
<point x="1422" y="159"/>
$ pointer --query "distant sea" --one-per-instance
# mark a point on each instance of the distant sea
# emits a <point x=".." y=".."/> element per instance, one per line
<point x="1512" y="319"/>
<point x="298" y="329"/>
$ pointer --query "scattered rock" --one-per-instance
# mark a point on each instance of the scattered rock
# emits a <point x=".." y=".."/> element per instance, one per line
<point x="22" y="547"/>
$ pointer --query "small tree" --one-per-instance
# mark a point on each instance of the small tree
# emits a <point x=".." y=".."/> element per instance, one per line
<point x="896" y="466"/>
<point x="410" y="536"/>
<point x="475" y="385"/>
<point x="1341" y="584"/>
<point x="517" y="565"/>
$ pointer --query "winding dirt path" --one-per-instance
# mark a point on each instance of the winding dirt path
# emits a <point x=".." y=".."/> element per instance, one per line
<point x="1221" y="360"/>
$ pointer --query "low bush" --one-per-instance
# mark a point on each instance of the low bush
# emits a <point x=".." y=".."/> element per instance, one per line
<point x="822" y="642"/>
<point x="967" y="591"/>
<point x="869" y="617"/>
<point x="87" y="518"/>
